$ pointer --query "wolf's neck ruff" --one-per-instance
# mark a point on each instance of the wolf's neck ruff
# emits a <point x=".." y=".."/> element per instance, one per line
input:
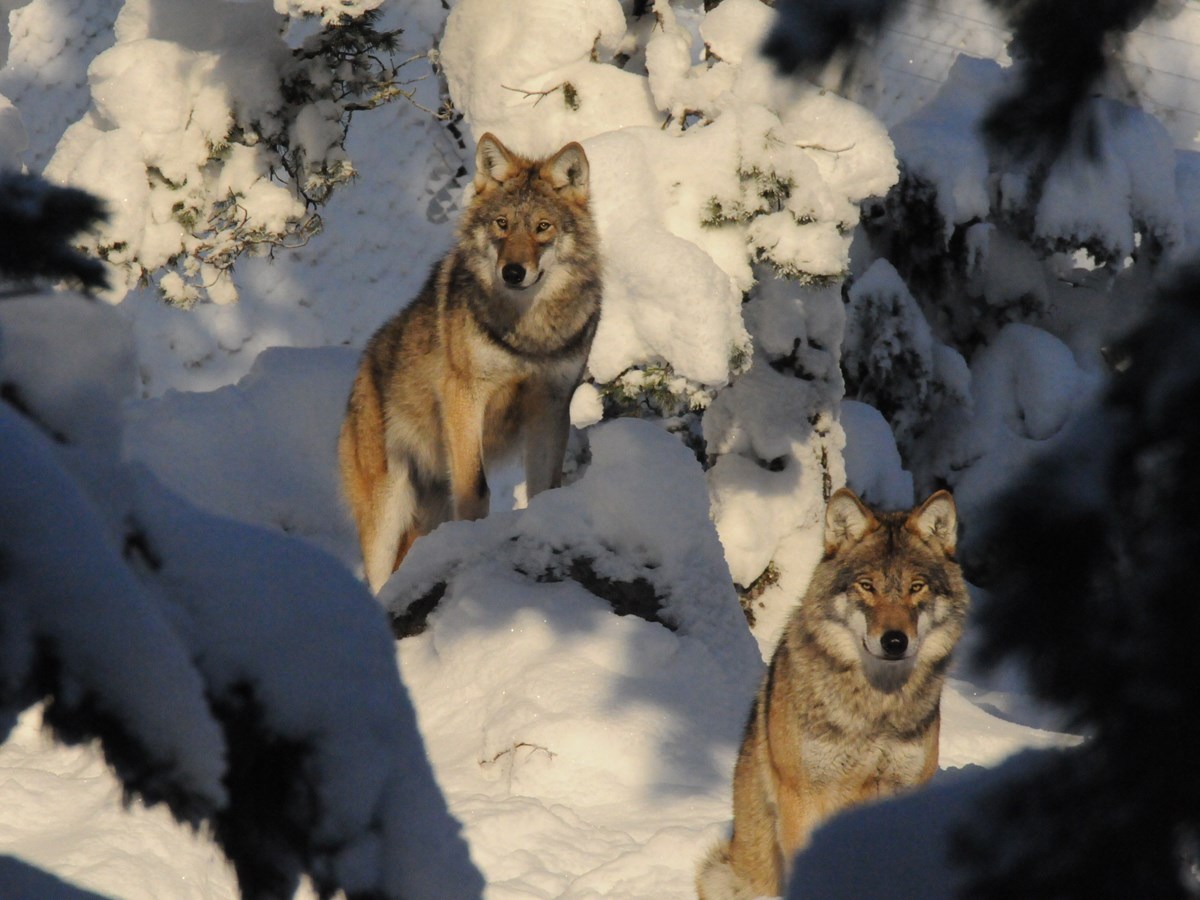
<point x="560" y="321"/>
<point x="535" y="347"/>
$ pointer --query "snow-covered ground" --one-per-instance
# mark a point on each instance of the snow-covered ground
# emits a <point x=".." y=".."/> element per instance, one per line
<point x="585" y="754"/>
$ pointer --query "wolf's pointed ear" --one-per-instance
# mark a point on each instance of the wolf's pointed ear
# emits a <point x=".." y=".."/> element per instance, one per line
<point x="567" y="172"/>
<point x="846" y="520"/>
<point x="936" y="519"/>
<point x="494" y="163"/>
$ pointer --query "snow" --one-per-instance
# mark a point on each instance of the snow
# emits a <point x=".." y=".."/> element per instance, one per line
<point x="579" y="753"/>
<point x="1079" y="204"/>
<point x="499" y="66"/>
<point x="873" y="466"/>
<point x="1025" y="387"/>
<point x="941" y="142"/>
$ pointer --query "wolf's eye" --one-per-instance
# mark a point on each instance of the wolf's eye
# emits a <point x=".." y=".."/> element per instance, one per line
<point x="865" y="585"/>
<point x="502" y="223"/>
<point x="543" y="226"/>
<point x="917" y="587"/>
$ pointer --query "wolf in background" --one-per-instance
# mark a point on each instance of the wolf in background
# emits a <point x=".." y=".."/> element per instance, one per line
<point x="489" y="353"/>
<point x="849" y="708"/>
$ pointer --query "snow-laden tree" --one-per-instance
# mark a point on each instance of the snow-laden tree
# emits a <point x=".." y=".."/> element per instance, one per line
<point x="239" y="676"/>
<point x="1035" y="207"/>
<point x="218" y="128"/>
<point x="1021" y="271"/>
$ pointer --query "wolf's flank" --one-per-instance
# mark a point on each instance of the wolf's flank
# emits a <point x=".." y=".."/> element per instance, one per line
<point x="849" y="709"/>
<point x="482" y="363"/>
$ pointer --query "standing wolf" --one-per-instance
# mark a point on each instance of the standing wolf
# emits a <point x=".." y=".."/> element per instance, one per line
<point x="489" y="352"/>
<point x="849" y="708"/>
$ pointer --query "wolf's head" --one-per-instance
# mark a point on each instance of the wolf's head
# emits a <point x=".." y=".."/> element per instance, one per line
<point x="525" y="213"/>
<point x="889" y="594"/>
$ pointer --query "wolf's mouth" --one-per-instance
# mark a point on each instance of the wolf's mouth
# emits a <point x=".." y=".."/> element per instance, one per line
<point x="525" y="287"/>
<point x="885" y="657"/>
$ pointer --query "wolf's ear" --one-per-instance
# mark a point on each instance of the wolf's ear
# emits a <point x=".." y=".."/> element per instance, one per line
<point x="846" y="520"/>
<point x="936" y="519"/>
<point x="494" y="163"/>
<point x="567" y="172"/>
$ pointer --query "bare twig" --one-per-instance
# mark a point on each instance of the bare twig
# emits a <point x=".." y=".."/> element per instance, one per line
<point x="541" y="95"/>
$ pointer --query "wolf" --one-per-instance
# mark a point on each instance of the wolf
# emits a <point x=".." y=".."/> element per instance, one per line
<point x="849" y="708"/>
<point x="484" y="361"/>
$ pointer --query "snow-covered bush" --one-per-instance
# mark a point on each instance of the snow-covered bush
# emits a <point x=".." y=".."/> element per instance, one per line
<point x="1031" y="192"/>
<point x="214" y="132"/>
<point x="984" y="238"/>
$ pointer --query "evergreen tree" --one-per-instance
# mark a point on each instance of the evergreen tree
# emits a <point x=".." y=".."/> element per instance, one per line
<point x="1088" y="561"/>
<point x="239" y="141"/>
<point x="37" y="223"/>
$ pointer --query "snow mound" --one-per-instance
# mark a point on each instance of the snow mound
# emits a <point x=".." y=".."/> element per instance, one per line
<point x="635" y="529"/>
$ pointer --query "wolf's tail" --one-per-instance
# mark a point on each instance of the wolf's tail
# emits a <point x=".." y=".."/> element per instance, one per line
<point x="716" y="879"/>
<point x="381" y="496"/>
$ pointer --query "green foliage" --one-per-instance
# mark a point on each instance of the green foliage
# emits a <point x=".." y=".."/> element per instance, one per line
<point x="296" y="147"/>
<point x="653" y="391"/>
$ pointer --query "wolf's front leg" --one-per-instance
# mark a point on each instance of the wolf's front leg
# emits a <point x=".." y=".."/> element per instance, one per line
<point x="548" y="421"/>
<point x="795" y="824"/>
<point x="463" y="415"/>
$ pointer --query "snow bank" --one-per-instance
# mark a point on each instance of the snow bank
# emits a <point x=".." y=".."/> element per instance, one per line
<point x="909" y="836"/>
<point x="249" y="450"/>
<point x="580" y="744"/>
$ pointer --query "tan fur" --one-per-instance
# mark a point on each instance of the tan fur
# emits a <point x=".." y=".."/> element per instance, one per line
<point x="484" y="360"/>
<point x="849" y="709"/>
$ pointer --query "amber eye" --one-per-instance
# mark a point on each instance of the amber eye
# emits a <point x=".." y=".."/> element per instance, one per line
<point x="543" y="226"/>
<point x="917" y="587"/>
<point x="865" y="585"/>
<point x="502" y="223"/>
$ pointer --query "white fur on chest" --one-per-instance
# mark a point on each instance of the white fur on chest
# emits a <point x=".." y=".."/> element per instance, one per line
<point x="888" y="762"/>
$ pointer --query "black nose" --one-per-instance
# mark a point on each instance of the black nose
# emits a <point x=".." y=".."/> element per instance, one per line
<point x="894" y="644"/>
<point x="513" y="273"/>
